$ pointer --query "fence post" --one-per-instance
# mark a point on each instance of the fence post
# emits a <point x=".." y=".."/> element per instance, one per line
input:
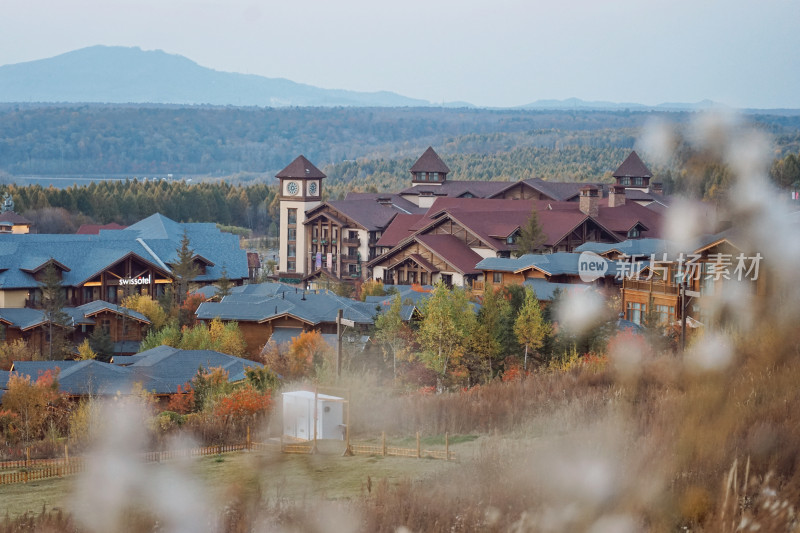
<point x="419" y="451"/>
<point x="446" y="446"/>
<point x="383" y="443"/>
<point x="248" y="438"/>
<point x="27" y="456"/>
<point x="66" y="454"/>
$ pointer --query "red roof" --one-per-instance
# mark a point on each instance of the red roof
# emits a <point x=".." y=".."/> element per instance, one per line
<point x="430" y="161"/>
<point x="399" y="229"/>
<point x="300" y="168"/>
<point x="453" y="250"/>
<point x="11" y="216"/>
<point x="94" y="229"/>
<point x="632" y="167"/>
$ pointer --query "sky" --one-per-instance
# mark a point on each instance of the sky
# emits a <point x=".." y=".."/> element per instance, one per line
<point x="498" y="53"/>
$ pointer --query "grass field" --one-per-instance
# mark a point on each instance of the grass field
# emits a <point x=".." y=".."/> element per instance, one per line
<point x="267" y="475"/>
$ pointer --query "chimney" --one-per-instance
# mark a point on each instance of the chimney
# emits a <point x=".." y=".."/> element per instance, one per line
<point x="589" y="200"/>
<point x="657" y="188"/>
<point x="616" y="196"/>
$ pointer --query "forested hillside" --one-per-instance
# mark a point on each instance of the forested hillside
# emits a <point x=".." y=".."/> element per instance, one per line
<point x="359" y="149"/>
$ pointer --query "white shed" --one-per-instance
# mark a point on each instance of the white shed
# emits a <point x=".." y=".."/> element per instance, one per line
<point x="298" y="416"/>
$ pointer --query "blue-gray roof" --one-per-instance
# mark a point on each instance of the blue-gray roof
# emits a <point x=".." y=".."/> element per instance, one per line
<point x="312" y="307"/>
<point x="25" y="318"/>
<point x="559" y="263"/>
<point x="4" y="375"/>
<point x="545" y="290"/>
<point x="160" y="370"/>
<point x="155" y="239"/>
<point x="631" y="247"/>
<point x="282" y="336"/>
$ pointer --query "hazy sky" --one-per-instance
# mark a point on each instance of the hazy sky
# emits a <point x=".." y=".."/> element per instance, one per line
<point x="744" y="53"/>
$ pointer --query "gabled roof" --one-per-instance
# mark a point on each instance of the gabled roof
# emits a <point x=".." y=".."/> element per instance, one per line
<point x="545" y="290"/>
<point x="300" y="168"/>
<point x="632" y="167"/>
<point x="429" y="161"/>
<point x="560" y="263"/>
<point x="452" y="250"/>
<point x="22" y="318"/>
<point x="154" y="240"/>
<point x="630" y="247"/>
<point x="160" y="370"/>
<point x="98" y="306"/>
<point x="367" y="213"/>
<point x="400" y="228"/>
<point x="311" y="307"/>
<point x="14" y="218"/>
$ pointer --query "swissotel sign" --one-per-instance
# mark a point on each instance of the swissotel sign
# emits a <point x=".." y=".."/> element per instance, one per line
<point x="135" y="281"/>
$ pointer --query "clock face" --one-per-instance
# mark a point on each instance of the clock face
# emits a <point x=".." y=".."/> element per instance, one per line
<point x="292" y="188"/>
<point x="312" y="188"/>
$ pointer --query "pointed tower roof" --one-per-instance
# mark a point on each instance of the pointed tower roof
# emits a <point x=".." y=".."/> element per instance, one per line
<point x="430" y="162"/>
<point x="300" y="168"/>
<point x="632" y="167"/>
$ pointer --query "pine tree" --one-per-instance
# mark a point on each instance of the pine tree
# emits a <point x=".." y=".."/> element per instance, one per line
<point x="531" y="236"/>
<point x="53" y="302"/>
<point x="184" y="270"/>
<point x="224" y="284"/>
<point x="101" y="344"/>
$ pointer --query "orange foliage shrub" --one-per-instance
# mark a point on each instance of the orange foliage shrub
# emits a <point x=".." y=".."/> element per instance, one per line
<point x="243" y="402"/>
<point x="183" y="401"/>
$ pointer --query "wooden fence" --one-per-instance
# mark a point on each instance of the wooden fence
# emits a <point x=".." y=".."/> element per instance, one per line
<point x="392" y="451"/>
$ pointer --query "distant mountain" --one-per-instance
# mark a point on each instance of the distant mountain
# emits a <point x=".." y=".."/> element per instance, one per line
<point x="115" y="74"/>
<point x="577" y="103"/>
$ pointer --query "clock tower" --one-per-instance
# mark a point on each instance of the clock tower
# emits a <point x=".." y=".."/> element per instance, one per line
<point x="300" y="190"/>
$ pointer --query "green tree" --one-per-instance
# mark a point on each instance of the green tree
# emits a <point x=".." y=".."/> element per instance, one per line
<point x="53" y="301"/>
<point x="392" y="332"/>
<point x="531" y="236"/>
<point x="185" y="270"/>
<point x="224" y="284"/>
<point x="530" y="327"/>
<point x="492" y="327"/>
<point x="447" y="321"/>
<point x="101" y="344"/>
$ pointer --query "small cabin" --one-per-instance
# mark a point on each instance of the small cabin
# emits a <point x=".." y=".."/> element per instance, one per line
<point x="299" y="415"/>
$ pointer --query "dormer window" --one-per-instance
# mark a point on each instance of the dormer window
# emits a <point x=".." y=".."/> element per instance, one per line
<point x="633" y="233"/>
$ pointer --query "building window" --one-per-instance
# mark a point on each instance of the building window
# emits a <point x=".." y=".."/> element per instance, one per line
<point x="497" y="277"/>
<point x="106" y="325"/>
<point x="638" y="181"/>
<point x="664" y="314"/>
<point x="291" y="266"/>
<point x="291" y="251"/>
<point x="633" y="233"/>
<point x="292" y="234"/>
<point x="625" y="181"/>
<point x="636" y="311"/>
<point x="292" y="216"/>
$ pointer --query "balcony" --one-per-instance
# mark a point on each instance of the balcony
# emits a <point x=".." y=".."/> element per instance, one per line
<point x="478" y="286"/>
<point x="346" y="258"/>
<point x="659" y="287"/>
<point x="352" y="242"/>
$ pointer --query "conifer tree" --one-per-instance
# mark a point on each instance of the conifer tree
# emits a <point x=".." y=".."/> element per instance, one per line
<point x="184" y="270"/>
<point x="531" y="236"/>
<point x="530" y="327"/>
<point x="53" y="302"/>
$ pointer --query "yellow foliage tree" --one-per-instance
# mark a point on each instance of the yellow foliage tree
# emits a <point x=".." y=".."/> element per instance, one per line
<point x="85" y="352"/>
<point x="150" y="308"/>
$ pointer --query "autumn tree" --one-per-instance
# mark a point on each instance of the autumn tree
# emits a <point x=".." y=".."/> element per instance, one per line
<point x="29" y="401"/>
<point x="531" y="236"/>
<point x="530" y="327"/>
<point x="142" y="303"/>
<point x="18" y="350"/>
<point x="448" y="318"/>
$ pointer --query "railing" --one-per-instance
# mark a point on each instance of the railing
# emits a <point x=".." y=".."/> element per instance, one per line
<point x="478" y="286"/>
<point x="350" y="258"/>
<point x="394" y="451"/>
<point x="354" y="241"/>
<point x="660" y="287"/>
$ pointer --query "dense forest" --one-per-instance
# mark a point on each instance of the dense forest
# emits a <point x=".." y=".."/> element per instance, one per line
<point x="231" y="155"/>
